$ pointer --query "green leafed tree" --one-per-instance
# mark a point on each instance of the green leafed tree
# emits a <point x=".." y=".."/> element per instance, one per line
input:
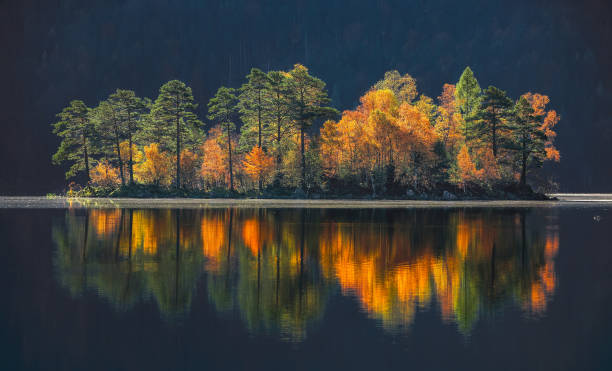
<point x="131" y="111"/>
<point x="253" y="103"/>
<point x="279" y="114"/>
<point x="495" y="111"/>
<point x="78" y="136"/>
<point x="174" y="110"/>
<point x="529" y="140"/>
<point x="107" y="122"/>
<point x="308" y="101"/>
<point x="404" y="87"/>
<point x="469" y="96"/>
<point x="222" y="108"/>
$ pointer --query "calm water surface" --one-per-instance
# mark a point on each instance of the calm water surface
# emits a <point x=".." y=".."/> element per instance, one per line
<point x="307" y="289"/>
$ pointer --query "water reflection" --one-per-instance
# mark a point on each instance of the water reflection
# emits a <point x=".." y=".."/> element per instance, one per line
<point x="278" y="268"/>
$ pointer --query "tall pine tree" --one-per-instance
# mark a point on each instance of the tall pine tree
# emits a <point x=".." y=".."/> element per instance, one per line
<point x="495" y="110"/>
<point x="469" y="96"/>
<point x="308" y="101"/>
<point x="222" y="108"/>
<point x="109" y="126"/>
<point x="529" y="140"/>
<point x="131" y="110"/>
<point x="174" y="110"/>
<point x="78" y="138"/>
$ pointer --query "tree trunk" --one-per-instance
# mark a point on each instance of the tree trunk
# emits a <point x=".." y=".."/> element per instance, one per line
<point x="494" y="143"/>
<point x="259" y="118"/>
<point x="259" y="131"/>
<point x="131" y="160"/>
<point x="302" y="151"/>
<point x="86" y="157"/>
<point x="229" y="150"/>
<point x="119" y="156"/>
<point x="524" y="169"/>
<point x="279" y="159"/>
<point x="178" y="150"/>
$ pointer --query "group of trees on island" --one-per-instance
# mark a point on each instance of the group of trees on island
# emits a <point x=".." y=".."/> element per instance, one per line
<point x="263" y="136"/>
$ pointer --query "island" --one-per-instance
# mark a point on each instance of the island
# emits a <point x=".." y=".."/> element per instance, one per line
<point x="279" y="136"/>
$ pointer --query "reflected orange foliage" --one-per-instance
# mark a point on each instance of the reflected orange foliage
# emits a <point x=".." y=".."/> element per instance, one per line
<point x="213" y="230"/>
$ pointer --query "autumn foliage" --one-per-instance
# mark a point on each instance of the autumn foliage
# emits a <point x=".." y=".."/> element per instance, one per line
<point x="105" y="175"/>
<point x="277" y="133"/>
<point x="258" y="165"/>
<point x="157" y="166"/>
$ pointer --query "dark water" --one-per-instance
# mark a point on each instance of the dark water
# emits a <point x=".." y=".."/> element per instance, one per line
<point x="307" y="289"/>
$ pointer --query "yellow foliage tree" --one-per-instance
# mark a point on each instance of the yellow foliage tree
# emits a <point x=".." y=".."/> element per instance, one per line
<point x="156" y="168"/>
<point x="258" y="165"/>
<point x="105" y="175"/>
<point x="466" y="169"/>
<point x="137" y="155"/>
<point x="214" y="165"/>
<point x="189" y="169"/>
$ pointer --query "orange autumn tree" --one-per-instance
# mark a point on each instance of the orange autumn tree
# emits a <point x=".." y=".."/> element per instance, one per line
<point x="449" y="121"/>
<point x="533" y="133"/>
<point x="466" y="169"/>
<point x="104" y="174"/>
<point x="137" y="155"/>
<point x="214" y="164"/>
<point x="551" y="118"/>
<point x="258" y="165"/>
<point x="417" y="139"/>
<point x="330" y="148"/>
<point x="189" y="169"/>
<point x="362" y="142"/>
<point x="156" y="168"/>
<point x="382" y="140"/>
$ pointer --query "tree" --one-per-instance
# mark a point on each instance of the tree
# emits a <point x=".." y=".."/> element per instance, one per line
<point x="104" y="174"/>
<point x="466" y="169"/>
<point x="174" y="108"/>
<point x="307" y="102"/>
<point x="106" y="121"/>
<point x="468" y="94"/>
<point x="258" y="165"/>
<point x="494" y="113"/>
<point x="551" y="119"/>
<point x="156" y="168"/>
<point x="214" y="169"/>
<point x="131" y="110"/>
<point x="253" y="101"/>
<point x="279" y="111"/>
<point x="403" y="87"/>
<point x="417" y="139"/>
<point x="222" y="108"/>
<point x="253" y="104"/>
<point x="189" y="168"/>
<point x="130" y="154"/>
<point x="530" y="138"/>
<point x="77" y="133"/>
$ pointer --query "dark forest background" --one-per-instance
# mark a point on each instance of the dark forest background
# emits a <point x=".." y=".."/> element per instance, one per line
<point x="54" y="51"/>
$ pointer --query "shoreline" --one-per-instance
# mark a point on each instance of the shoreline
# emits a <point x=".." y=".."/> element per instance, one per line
<point x="42" y="202"/>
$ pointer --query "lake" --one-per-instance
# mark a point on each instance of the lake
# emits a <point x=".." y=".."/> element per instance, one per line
<point x="478" y="286"/>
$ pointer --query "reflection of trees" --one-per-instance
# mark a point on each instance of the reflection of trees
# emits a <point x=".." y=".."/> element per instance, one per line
<point x="471" y="262"/>
<point x="276" y="267"/>
<point x="276" y="284"/>
<point x="127" y="256"/>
